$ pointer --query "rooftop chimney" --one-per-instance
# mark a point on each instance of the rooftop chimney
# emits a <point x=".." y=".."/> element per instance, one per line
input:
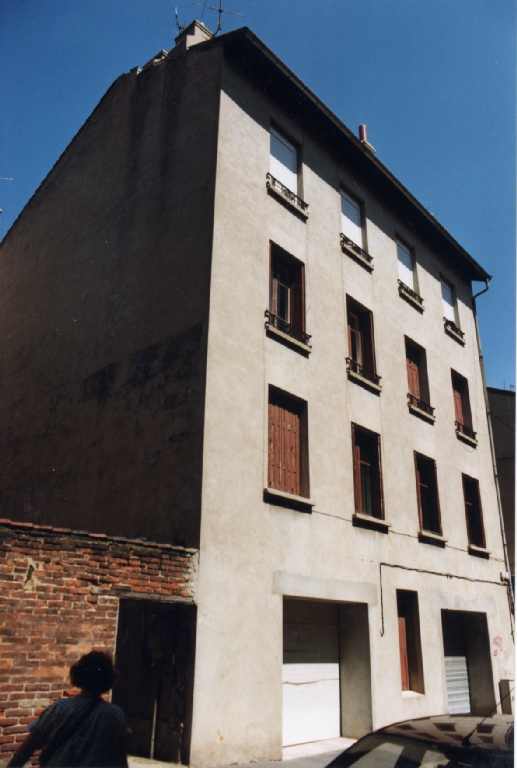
<point x="193" y="34"/>
<point x="363" y="137"/>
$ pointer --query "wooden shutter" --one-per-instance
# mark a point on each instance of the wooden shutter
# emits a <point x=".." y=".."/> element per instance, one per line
<point x="377" y="489"/>
<point x="357" y="471"/>
<point x="413" y="377"/>
<point x="436" y="499"/>
<point x="458" y="407"/>
<point x="404" y="665"/>
<point x="284" y="448"/>
<point x="368" y="341"/>
<point x="298" y="298"/>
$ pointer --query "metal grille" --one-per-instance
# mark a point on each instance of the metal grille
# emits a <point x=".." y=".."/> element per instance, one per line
<point x="420" y="404"/>
<point x="405" y="289"/>
<point x="272" y="183"/>
<point x="285" y="327"/>
<point x="453" y="328"/>
<point x="354" y="367"/>
<point x="465" y="430"/>
<point x="356" y="249"/>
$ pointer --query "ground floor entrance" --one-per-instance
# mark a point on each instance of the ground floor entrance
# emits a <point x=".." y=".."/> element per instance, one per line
<point x="155" y="658"/>
<point x="468" y="665"/>
<point x="326" y="671"/>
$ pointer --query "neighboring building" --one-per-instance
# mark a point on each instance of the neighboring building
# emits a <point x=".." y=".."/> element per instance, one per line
<point x="502" y="419"/>
<point x="227" y="327"/>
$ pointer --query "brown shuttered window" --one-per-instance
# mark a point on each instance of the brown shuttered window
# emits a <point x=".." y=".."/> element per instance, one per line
<point x="473" y="512"/>
<point x="367" y="472"/>
<point x="361" y="347"/>
<point x="410" y="647"/>
<point x="427" y="494"/>
<point x="460" y="392"/>
<point x="287" y="450"/>
<point x="416" y="364"/>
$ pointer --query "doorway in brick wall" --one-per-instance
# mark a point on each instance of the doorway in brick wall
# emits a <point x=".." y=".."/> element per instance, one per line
<point x="155" y="659"/>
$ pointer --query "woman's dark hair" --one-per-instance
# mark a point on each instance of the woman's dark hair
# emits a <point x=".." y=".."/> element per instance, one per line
<point x="94" y="672"/>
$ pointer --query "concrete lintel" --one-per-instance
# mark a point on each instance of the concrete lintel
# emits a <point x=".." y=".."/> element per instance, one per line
<point x="324" y="589"/>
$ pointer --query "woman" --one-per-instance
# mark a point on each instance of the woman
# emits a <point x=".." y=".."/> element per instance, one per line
<point x="84" y="730"/>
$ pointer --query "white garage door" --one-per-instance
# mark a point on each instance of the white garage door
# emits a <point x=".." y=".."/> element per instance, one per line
<point x="457" y="680"/>
<point x="311" y="710"/>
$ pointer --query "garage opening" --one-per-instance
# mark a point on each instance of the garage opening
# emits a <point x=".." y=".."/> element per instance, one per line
<point x="468" y="665"/>
<point x="326" y="671"/>
<point x="155" y="659"/>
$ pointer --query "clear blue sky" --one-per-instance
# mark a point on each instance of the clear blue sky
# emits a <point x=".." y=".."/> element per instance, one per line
<point x="434" y="80"/>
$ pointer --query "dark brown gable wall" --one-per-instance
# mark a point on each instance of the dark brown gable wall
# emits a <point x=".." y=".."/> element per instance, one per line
<point x="104" y="285"/>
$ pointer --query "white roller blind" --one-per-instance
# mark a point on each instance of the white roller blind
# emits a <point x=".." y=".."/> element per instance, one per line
<point x="351" y="219"/>
<point x="448" y="304"/>
<point x="457" y="681"/>
<point x="283" y="163"/>
<point x="405" y="265"/>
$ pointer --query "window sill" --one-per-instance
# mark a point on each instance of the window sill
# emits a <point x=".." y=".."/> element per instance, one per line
<point x="429" y="537"/>
<point x="421" y="414"/>
<point x="298" y="345"/>
<point x="362" y="258"/>
<point x="466" y="439"/>
<point x="411" y="296"/>
<point x="453" y="331"/>
<point x="411" y="694"/>
<point x="368" y="521"/>
<point x="272" y="495"/>
<point x="290" y="199"/>
<point x="364" y="381"/>
<point x="478" y="551"/>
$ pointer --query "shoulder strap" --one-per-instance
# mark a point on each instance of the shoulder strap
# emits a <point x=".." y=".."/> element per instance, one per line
<point x="62" y="738"/>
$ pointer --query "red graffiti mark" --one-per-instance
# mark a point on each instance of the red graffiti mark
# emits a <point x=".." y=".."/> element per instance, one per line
<point x="495" y="653"/>
<point x="498" y="641"/>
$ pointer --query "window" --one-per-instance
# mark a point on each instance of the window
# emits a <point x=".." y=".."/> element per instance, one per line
<point x="283" y="163"/>
<point x="286" y="295"/>
<point x="361" y="363"/>
<point x="352" y="231"/>
<point x="405" y="262"/>
<point x="409" y="641"/>
<point x="287" y="449"/>
<point x="449" y="313"/>
<point x="473" y="512"/>
<point x="418" y="384"/>
<point x="427" y="495"/>
<point x="367" y="472"/>
<point x="462" y="412"/>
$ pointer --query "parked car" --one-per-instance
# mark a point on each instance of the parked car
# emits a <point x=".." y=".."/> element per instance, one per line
<point x="435" y="742"/>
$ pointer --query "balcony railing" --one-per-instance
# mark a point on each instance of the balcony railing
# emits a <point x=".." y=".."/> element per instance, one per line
<point x="420" y="404"/>
<point x="355" y="250"/>
<point x="272" y="321"/>
<point x="412" y="295"/>
<point x="464" y="430"/>
<point x="283" y="191"/>
<point x="453" y="330"/>
<point x="353" y="366"/>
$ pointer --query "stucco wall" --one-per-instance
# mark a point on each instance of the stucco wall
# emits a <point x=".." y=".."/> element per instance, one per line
<point x="244" y="541"/>
<point x="104" y="285"/>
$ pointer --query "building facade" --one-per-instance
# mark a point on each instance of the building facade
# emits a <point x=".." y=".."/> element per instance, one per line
<point x="231" y="329"/>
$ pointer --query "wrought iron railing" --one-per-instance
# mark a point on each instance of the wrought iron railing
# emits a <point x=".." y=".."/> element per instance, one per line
<point x="356" y="249"/>
<point x="272" y="321"/>
<point x="464" y="430"/>
<point x="272" y="183"/>
<point x="354" y="367"/>
<point x="403" y="288"/>
<point x="420" y="404"/>
<point x="453" y="328"/>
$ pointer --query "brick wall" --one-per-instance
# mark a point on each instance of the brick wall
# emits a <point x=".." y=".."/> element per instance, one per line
<point x="59" y="596"/>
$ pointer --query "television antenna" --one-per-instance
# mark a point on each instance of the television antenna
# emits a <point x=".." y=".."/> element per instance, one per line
<point x="181" y="27"/>
<point x="219" y="11"/>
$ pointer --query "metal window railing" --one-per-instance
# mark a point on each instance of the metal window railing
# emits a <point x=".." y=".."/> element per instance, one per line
<point x="420" y="404"/>
<point x="354" y="367"/>
<point x="356" y="249"/>
<point x="272" y="321"/>
<point x="272" y="183"/>
<point x="403" y="288"/>
<point x="453" y="328"/>
<point x="464" y="430"/>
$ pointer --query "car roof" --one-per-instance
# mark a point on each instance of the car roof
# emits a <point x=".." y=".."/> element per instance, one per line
<point x="491" y="733"/>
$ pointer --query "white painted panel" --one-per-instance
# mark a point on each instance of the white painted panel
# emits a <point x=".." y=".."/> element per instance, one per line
<point x="405" y="265"/>
<point x="311" y="709"/>
<point x="351" y="219"/>
<point x="448" y="303"/>
<point x="282" y="164"/>
<point x="457" y="680"/>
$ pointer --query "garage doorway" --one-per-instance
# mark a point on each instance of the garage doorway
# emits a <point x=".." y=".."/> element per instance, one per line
<point x="326" y="671"/>
<point x="468" y="665"/>
<point x="155" y="659"/>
